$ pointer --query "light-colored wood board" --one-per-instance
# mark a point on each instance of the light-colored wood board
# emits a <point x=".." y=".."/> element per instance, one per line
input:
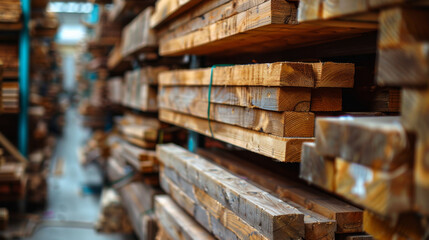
<point x="378" y="142"/>
<point x="405" y="65"/>
<point x="282" y="149"/>
<point x="176" y="222"/>
<point x="227" y="219"/>
<point x="290" y="74"/>
<point x="348" y="218"/>
<point x="274" y="218"/>
<point x="282" y="124"/>
<point x="383" y="192"/>
<point x="403" y="26"/>
<point x="406" y="226"/>
<point x="267" y="98"/>
<point x="316" y="169"/>
<point x="166" y="10"/>
<point x="257" y="30"/>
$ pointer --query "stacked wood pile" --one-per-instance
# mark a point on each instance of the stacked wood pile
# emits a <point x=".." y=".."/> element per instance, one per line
<point x="45" y="25"/>
<point x="277" y="118"/>
<point x="206" y="191"/>
<point x="10" y="11"/>
<point x="12" y="181"/>
<point x="378" y="163"/>
<point x="9" y="57"/>
<point x="10" y="97"/>
<point x="137" y="36"/>
<point x="106" y="32"/>
<point x="113" y="218"/>
<point x="133" y="171"/>
<point x="114" y="90"/>
<point x="140" y="88"/>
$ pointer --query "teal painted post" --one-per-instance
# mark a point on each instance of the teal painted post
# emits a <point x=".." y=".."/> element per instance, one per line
<point x="24" y="82"/>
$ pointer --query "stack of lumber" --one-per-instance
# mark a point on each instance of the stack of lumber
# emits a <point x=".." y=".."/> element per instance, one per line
<point x="125" y="10"/>
<point x="10" y="11"/>
<point x="137" y="36"/>
<point x="248" y="201"/>
<point x="114" y="90"/>
<point x="140" y="88"/>
<point x="10" y="97"/>
<point x="12" y="181"/>
<point x="133" y="172"/>
<point x="9" y="57"/>
<point x="138" y="200"/>
<point x="230" y="26"/>
<point x="139" y="130"/>
<point x="45" y="25"/>
<point x="106" y="32"/>
<point x="116" y="63"/>
<point x="113" y="218"/>
<point x="369" y="161"/>
<point x="265" y="108"/>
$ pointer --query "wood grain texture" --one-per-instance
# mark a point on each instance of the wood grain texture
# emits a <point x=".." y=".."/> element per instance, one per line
<point x="267" y="98"/>
<point x="137" y="36"/>
<point x="166" y="10"/>
<point x="407" y="226"/>
<point x="306" y="199"/>
<point x="176" y="222"/>
<point x="269" y="215"/>
<point x="414" y="116"/>
<point x="230" y="223"/>
<point x="255" y="30"/>
<point x="282" y="149"/>
<point x="377" y="142"/>
<point x="403" y="26"/>
<point x="291" y="74"/>
<point x="316" y="169"/>
<point x="405" y="65"/>
<point x="335" y="8"/>
<point x="386" y="193"/>
<point x="282" y="124"/>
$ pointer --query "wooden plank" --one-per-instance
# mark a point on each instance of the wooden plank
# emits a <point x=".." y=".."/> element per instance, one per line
<point x="403" y="26"/>
<point x="166" y="10"/>
<point x="137" y="36"/>
<point x="386" y="193"/>
<point x="257" y="30"/>
<point x="290" y="74"/>
<point x="316" y="169"/>
<point x="315" y="225"/>
<point x="274" y="218"/>
<point x="282" y="124"/>
<point x="348" y="218"/>
<point x="282" y="149"/>
<point x="209" y="14"/>
<point x="139" y="142"/>
<point x="230" y="223"/>
<point x="415" y="113"/>
<point x="309" y="10"/>
<point x="377" y="142"/>
<point x="407" y="226"/>
<point x="336" y="8"/>
<point x="147" y="133"/>
<point x="176" y="222"/>
<point x="267" y="98"/>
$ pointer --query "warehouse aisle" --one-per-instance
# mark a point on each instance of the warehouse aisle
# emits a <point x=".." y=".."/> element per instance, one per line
<point x="72" y="210"/>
